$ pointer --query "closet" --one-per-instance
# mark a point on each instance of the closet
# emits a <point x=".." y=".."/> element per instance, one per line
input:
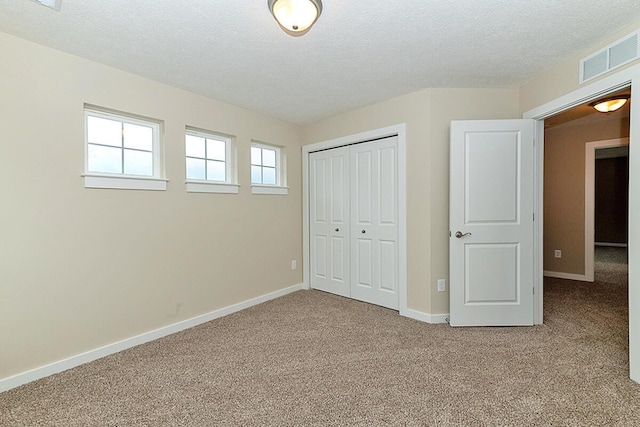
<point x="353" y="221"/>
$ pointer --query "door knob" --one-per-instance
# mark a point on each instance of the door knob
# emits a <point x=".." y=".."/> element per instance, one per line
<point x="363" y="231"/>
<point x="337" y="229"/>
<point x="459" y="234"/>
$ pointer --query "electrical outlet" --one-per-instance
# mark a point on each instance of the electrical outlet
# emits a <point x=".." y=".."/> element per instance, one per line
<point x="442" y="285"/>
<point x="294" y="264"/>
<point x="557" y="253"/>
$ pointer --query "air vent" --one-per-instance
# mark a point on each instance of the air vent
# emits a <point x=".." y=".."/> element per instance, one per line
<point x="595" y="65"/>
<point x="611" y="57"/>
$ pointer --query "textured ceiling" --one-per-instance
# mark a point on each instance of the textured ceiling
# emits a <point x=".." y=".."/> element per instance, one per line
<point x="359" y="52"/>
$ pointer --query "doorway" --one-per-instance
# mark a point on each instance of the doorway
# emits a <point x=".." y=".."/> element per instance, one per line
<point x="606" y="198"/>
<point x="572" y="139"/>
<point x="623" y="79"/>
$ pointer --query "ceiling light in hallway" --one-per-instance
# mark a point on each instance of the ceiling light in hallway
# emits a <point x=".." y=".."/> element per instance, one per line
<point x="610" y="104"/>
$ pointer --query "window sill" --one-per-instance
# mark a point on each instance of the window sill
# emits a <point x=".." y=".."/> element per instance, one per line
<point x="124" y="182"/>
<point x="269" y="189"/>
<point x="211" y="187"/>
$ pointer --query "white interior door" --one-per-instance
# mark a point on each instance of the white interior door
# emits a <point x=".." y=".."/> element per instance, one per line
<point x="491" y="223"/>
<point x="329" y="220"/>
<point x="374" y="228"/>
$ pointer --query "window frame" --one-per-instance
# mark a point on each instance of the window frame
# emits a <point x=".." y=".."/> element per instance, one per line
<point x="228" y="186"/>
<point x="156" y="181"/>
<point x="279" y="188"/>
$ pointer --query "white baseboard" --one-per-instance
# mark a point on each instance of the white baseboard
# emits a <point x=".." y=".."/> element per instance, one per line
<point x="424" y="317"/>
<point x="570" y="276"/>
<point x="91" y="355"/>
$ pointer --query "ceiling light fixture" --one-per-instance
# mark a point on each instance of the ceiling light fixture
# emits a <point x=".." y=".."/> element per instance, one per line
<point x="610" y="104"/>
<point x="295" y="17"/>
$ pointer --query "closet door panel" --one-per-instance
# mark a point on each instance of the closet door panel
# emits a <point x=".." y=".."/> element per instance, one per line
<point x="329" y="213"/>
<point x="374" y="229"/>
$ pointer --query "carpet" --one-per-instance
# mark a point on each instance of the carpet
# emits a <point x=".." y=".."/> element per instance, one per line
<point x="315" y="359"/>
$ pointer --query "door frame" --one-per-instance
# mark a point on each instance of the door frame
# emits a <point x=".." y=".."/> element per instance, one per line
<point x="398" y="130"/>
<point x="628" y="77"/>
<point x="590" y="198"/>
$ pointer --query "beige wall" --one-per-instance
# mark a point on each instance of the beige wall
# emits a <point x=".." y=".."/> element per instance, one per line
<point x="564" y="190"/>
<point x="427" y="115"/>
<point x="82" y="268"/>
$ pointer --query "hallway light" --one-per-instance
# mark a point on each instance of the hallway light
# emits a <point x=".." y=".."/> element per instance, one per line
<point x="610" y="104"/>
<point x="295" y="17"/>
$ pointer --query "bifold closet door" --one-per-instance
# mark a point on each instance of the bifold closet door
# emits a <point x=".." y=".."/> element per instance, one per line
<point x="374" y="222"/>
<point x="329" y="220"/>
<point x="353" y="209"/>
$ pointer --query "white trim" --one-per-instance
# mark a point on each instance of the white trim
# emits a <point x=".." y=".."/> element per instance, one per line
<point x="123" y="182"/>
<point x="97" y="353"/>
<point x="306" y="270"/>
<point x="538" y="224"/>
<point x="401" y="132"/>
<point x="402" y="215"/>
<point x="425" y="317"/>
<point x="605" y="86"/>
<point x="589" y="199"/>
<point x="569" y="276"/>
<point x="612" y="245"/>
<point x="211" y="187"/>
<point x="269" y="189"/>
<point x="612" y="83"/>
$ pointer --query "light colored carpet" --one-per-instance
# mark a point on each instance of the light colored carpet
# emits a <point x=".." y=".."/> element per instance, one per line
<point x="312" y="358"/>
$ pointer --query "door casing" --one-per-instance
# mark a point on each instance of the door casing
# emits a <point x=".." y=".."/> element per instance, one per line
<point x="589" y="200"/>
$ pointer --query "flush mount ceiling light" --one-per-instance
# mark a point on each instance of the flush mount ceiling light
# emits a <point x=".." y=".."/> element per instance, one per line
<point x="53" y="4"/>
<point x="295" y="17"/>
<point x="610" y="104"/>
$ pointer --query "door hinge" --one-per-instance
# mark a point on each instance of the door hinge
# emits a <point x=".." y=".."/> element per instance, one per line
<point x="534" y="290"/>
<point x="534" y="217"/>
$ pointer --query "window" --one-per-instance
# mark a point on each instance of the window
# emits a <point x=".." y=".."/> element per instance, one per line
<point x="208" y="163"/>
<point x="122" y="152"/>
<point x="266" y="170"/>
<point x="264" y="165"/>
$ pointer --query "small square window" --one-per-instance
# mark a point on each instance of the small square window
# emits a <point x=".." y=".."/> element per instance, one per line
<point x="122" y="151"/>
<point x="264" y="165"/>
<point x="208" y="162"/>
<point x="266" y="169"/>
